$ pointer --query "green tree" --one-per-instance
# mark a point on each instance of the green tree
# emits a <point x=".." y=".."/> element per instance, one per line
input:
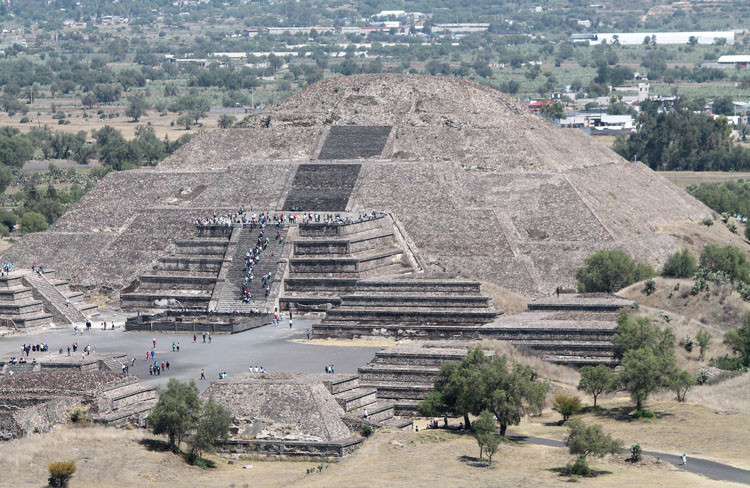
<point x="639" y="333"/>
<point x="176" y="413"/>
<point x="61" y="472"/>
<point x="226" y="121"/>
<point x="510" y="394"/>
<point x="15" y="148"/>
<point x="723" y="106"/>
<point x="649" y="287"/>
<point x="584" y="440"/>
<point x="596" y="380"/>
<point x="8" y="219"/>
<point x="484" y="433"/>
<point x="458" y="390"/>
<point x="213" y="425"/>
<point x="553" y="110"/>
<point x="747" y="231"/>
<point x="566" y="406"/>
<point x="739" y="340"/>
<point x="681" y="264"/>
<point x="137" y="107"/>
<point x="186" y="120"/>
<point x="729" y="260"/>
<point x="645" y="371"/>
<point x="33" y="222"/>
<point x="609" y="271"/>
<point x="681" y="382"/>
<point x="704" y="339"/>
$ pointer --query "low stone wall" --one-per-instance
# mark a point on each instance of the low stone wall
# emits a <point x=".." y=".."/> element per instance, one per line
<point x="190" y="322"/>
<point x="22" y="416"/>
<point x="280" y="449"/>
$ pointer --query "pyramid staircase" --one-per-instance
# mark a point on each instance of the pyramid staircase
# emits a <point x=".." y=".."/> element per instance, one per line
<point x="228" y="293"/>
<point x="186" y="274"/>
<point x="66" y="305"/>
<point x="362" y="404"/>
<point x="328" y="260"/>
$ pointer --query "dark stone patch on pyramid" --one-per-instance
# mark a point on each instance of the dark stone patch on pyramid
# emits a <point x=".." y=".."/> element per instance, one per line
<point x="324" y="187"/>
<point x="355" y="141"/>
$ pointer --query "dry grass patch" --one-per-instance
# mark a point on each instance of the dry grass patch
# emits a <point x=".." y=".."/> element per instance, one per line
<point x="559" y="375"/>
<point x="699" y="430"/>
<point x="110" y="457"/>
<point x="503" y="299"/>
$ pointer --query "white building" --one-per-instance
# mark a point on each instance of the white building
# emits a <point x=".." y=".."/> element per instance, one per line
<point x="631" y="38"/>
<point x="735" y="59"/>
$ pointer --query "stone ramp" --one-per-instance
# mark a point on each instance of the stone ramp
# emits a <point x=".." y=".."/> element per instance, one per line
<point x="354" y="142"/>
<point x="64" y="309"/>
<point x="229" y="296"/>
<point x="322" y="187"/>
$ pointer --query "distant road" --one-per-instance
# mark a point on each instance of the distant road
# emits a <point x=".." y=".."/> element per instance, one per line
<point x="709" y="469"/>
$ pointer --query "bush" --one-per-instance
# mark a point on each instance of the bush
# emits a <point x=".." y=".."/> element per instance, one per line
<point x="688" y="343"/>
<point x="610" y="271"/>
<point x="636" y="452"/>
<point x="642" y="413"/>
<point x="708" y="222"/>
<point x="365" y="431"/>
<point x="681" y="264"/>
<point x="61" y="472"/>
<point x="566" y="406"/>
<point x="79" y="415"/>
<point x="580" y="467"/>
<point x="8" y="219"/>
<point x="729" y="260"/>
<point x="649" y="287"/>
<point x="33" y="222"/>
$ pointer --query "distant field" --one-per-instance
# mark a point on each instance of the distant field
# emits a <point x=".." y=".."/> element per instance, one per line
<point x="685" y="178"/>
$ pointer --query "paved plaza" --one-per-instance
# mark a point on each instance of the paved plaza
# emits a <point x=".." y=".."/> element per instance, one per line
<point x="269" y="346"/>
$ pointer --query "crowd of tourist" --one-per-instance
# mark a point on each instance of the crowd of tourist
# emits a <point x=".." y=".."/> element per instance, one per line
<point x="261" y="219"/>
<point x="7" y="268"/>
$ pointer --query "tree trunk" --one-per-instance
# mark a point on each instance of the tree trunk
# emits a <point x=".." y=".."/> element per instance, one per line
<point x="638" y="403"/>
<point x="467" y="422"/>
<point x="595" y="401"/>
<point x="503" y="428"/>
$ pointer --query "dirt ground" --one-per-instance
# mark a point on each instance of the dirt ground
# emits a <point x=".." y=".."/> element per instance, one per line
<point x="709" y="433"/>
<point x="685" y="178"/>
<point x="123" y="123"/>
<point x="110" y="457"/>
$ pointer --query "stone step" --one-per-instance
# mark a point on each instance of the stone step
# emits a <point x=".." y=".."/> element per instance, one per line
<point x="54" y="301"/>
<point x="416" y="300"/>
<point x="406" y="408"/>
<point x="177" y="280"/>
<point x="377" y="412"/>
<point x="403" y="315"/>
<point x="351" y="243"/>
<point x="389" y="390"/>
<point x="318" y="303"/>
<point x="421" y="358"/>
<point x="578" y="361"/>
<point x="339" y="383"/>
<point x="352" y="263"/>
<point x="398" y="422"/>
<point x="433" y="287"/>
<point x="322" y="187"/>
<point x="398" y="373"/>
<point x="356" y="398"/>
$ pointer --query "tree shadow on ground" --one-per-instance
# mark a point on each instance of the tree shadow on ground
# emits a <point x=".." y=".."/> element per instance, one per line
<point x="157" y="445"/>
<point x="473" y="462"/>
<point x="199" y="461"/>
<point x="624" y="414"/>
<point x="564" y="471"/>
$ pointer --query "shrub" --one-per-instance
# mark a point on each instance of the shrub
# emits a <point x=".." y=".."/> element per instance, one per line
<point x="61" y="472"/>
<point x="688" y="343"/>
<point x="729" y="260"/>
<point x="704" y="339"/>
<point x="636" y="452"/>
<point x="366" y="431"/>
<point x="33" y="222"/>
<point x="642" y="413"/>
<point x="708" y="222"/>
<point x="590" y="439"/>
<point x="681" y="264"/>
<point x="580" y="467"/>
<point x="702" y="377"/>
<point x="79" y="415"/>
<point x="566" y="406"/>
<point x="649" y="287"/>
<point x="609" y="271"/>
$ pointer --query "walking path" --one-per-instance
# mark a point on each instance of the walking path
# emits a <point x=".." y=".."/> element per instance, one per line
<point x="709" y="469"/>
